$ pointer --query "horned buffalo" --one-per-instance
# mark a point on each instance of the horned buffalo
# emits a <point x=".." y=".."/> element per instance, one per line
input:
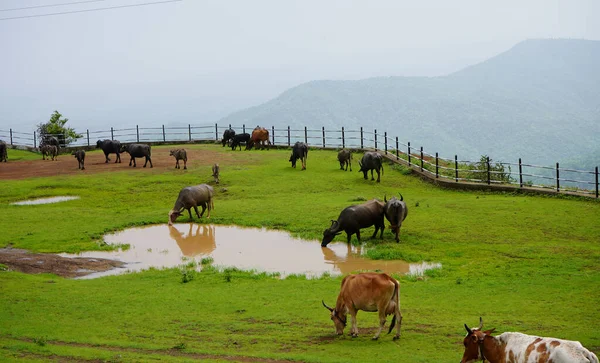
<point x="521" y="348"/>
<point x="352" y="219"/>
<point x="371" y="161"/>
<point x="80" y="156"/>
<point x="138" y="151"/>
<point x="259" y="137"/>
<point x="192" y="197"/>
<point x="367" y="292"/>
<point x="395" y="211"/>
<point x="3" y="151"/>
<point x="237" y="140"/>
<point x="345" y="159"/>
<point x="299" y="151"/>
<point x="110" y="147"/>
<point x="227" y="136"/>
<point x="179" y="154"/>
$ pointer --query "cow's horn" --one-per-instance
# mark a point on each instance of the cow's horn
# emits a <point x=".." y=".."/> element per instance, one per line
<point x="468" y="330"/>
<point x="401" y="197"/>
<point x="325" y="305"/>
<point x="385" y="198"/>
<point x="480" y="323"/>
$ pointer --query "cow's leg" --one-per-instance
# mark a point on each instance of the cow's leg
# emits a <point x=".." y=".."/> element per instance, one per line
<point x="196" y="210"/>
<point x="184" y="164"/>
<point x="354" y="329"/>
<point x="378" y="179"/>
<point x="382" y="319"/>
<point x="150" y="160"/>
<point x="118" y="158"/>
<point x="190" y="212"/>
<point x="358" y="235"/>
<point x="176" y="163"/>
<point x="372" y="178"/>
<point x="304" y="163"/>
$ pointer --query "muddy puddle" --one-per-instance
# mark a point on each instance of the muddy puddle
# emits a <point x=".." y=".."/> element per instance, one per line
<point x="245" y="248"/>
<point x="45" y="200"/>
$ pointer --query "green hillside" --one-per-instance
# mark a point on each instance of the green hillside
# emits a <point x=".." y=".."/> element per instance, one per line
<point x="539" y="100"/>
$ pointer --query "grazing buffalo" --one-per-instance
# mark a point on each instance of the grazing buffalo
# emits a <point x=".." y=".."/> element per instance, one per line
<point x="238" y="139"/>
<point x="395" y="211"/>
<point x="179" y="154"/>
<point x="371" y="161"/>
<point x="260" y="136"/>
<point x="345" y="159"/>
<point x="3" y="151"/>
<point x="80" y="156"/>
<point x="138" y="151"/>
<point x="215" y="174"/>
<point x="110" y="147"/>
<point x="49" y="151"/>
<point x="192" y="197"/>
<point x="371" y="292"/>
<point x="352" y="219"/>
<point x="227" y="136"/>
<point x="299" y="151"/>
<point x="521" y="348"/>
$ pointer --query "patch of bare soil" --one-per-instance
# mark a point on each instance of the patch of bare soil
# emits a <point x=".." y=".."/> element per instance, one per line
<point x="36" y="263"/>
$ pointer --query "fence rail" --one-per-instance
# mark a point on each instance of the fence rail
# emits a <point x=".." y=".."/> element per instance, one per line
<point x="484" y="171"/>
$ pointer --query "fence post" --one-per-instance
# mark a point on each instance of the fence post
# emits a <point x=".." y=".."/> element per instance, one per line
<point x="408" y="154"/>
<point x="34" y="145"/>
<point x="456" y="167"/>
<point x="230" y="126"/>
<point x="596" y="182"/>
<point x="361" y="138"/>
<point x="343" y="138"/>
<point x="421" y="158"/>
<point x="164" y="136"/>
<point x="323" y="136"/>
<point x="557" y="179"/>
<point x="487" y="162"/>
<point x="190" y="131"/>
<point x="273" y="131"/>
<point x="87" y="131"/>
<point x="397" y="148"/>
<point x="437" y="165"/>
<point x="244" y="128"/>
<point x="385" y="141"/>
<point x="112" y="133"/>
<point x="11" y="142"/>
<point x="137" y="131"/>
<point x="216" y="132"/>
<point x="520" y="174"/>
<point x="375" y="139"/>
<point x="305" y="135"/>
<point x="289" y="142"/>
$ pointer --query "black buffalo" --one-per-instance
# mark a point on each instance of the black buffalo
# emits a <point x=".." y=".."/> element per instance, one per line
<point x="371" y="161"/>
<point x="395" y="211"/>
<point x="3" y="152"/>
<point x="299" y="151"/>
<point x="345" y="159"/>
<point x="227" y="135"/>
<point x="354" y="218"/>
<point x="238" y="139"/>
<point x="110" y="147"/>
<point x="80" y="156"/>
<point x="137" y="151"/>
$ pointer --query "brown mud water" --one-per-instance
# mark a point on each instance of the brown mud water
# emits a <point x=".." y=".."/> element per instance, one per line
<point x="163" y="246"/>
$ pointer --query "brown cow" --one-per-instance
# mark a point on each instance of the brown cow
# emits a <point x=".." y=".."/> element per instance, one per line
<point x="521" y="348"/>
<point x="368" y="291"/>
<point x="259" y="136"/>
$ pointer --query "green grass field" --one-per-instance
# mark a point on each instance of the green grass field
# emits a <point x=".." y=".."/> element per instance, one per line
<point x="524" y="263"/>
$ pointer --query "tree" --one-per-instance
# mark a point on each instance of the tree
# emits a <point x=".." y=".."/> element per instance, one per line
<point x="56" y="127"/>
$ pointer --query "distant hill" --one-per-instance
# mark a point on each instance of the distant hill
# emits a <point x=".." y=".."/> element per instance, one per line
<point x="540" y="100"/>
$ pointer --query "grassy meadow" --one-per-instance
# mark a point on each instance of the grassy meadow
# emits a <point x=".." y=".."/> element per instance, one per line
<point x="522" y="262"/>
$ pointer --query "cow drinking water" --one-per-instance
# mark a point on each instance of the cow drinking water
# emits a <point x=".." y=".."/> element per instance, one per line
<point x="192" y="197"/>
<point x="138" y="151"/>
<point x="367" y="292"/>
<point x="352" y="219"/>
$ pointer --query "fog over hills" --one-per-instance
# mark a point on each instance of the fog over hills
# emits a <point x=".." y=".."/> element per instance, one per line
<point x="540" y="101"/>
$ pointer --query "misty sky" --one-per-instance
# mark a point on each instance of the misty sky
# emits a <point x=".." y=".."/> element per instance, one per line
<point x="225" y="55"/>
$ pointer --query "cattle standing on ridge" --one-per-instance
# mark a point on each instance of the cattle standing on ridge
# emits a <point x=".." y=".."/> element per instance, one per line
<point x="179" y="154"/>
<point x="227" y="136"/>
<point x="3" y="152"/>
<point x="367" y="292"/>
<point x="522" y="348"/>
<point x="371" y="161"/>
<point x="192" y="197"/>
<point x="215" y="173"/>
<point x="395" y="211"/>
<point x="259" y="137"/>
<point x="138" y="151"/>
<point x="110" y="147"/>
<point x="49" y="151"/>
<point x="352" y="219"/>
<point x="299" y="151"/>
<point x="238" y="139"/>
<point x="80" y="156"/>
<point x="345" y="159"/>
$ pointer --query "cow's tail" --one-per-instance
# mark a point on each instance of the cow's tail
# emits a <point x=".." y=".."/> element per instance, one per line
<point x="397" y="301"/>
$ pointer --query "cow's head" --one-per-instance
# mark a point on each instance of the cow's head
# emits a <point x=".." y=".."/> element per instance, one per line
<point x="172" y="152"/>
<point x="99" y="144"/>
<point x="293" y="159"/>
<point x="338" y="320"/>
<point x="173" y="215"/>
<point x="473" y="343"/>
<point x="330" y="233"/>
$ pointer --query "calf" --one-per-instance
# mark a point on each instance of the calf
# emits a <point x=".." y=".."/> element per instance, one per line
<point x="352" y="219"/>
<point x="371" y="161"/>
<point x="367" y="292"/>
<point x="521" y="348"/>
<point x="395" y="212"/>
<point x="49" y="151"/>
<point x="179" y="154"/>
<point x="80" y="156"/>
<point x="138" y="151"/>
<point x="3" y="151"/>
<point x="110" y="147"/>
<point x="299" y="151"/>
<point x="238" y="139"/>
<point x="215" y="173"/>
<point x="345" y="159"/>
<point x="227" y="136"/>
